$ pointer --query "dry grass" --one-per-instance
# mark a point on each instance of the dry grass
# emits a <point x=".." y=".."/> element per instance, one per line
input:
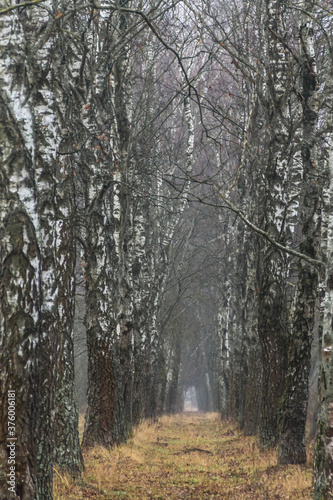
<point x="190" y="456"/>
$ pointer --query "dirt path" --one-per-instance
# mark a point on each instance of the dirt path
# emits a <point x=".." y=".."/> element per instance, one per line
<point x="190" y="456"/>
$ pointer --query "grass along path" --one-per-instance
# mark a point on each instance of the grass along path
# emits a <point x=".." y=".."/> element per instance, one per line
<point x="191" y="456"/>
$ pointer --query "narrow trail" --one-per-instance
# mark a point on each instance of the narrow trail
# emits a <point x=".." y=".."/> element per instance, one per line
<point x="186" y="456"/>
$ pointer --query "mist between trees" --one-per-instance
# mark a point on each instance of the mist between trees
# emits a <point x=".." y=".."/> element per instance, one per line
<point x="166" y="194"/>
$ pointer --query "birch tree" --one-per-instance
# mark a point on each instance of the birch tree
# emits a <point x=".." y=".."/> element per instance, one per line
<point x="323" y="458"/>
<point x="273" y="323"/>
<point x="21" y="337"/>
<point x="29" y="86"/>
<point x="294" y="403"/>
<point x="98" y="168"/>
<point x="67" y="447"/>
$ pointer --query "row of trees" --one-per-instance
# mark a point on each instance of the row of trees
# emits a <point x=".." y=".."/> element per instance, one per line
<point x="177" y="157"/>
<point x="82" y="169"/>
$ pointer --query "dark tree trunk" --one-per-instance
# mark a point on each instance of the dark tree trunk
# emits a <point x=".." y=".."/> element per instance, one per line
<point x="253" y="391"/>
<point x="67" y="446"/>
<point x="172" y="399"/>
<point x="273" y="326"/>
<point x="20" y="334"/>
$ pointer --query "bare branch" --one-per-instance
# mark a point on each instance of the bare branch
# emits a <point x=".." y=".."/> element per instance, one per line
<point x="267" y="237"/>
<point x="17" y="6"/>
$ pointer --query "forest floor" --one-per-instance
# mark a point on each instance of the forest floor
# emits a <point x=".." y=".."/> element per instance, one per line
<point x="190" y="456"/>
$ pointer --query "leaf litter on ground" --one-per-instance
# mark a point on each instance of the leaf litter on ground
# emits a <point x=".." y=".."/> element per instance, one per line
<point x="194" y="456"/>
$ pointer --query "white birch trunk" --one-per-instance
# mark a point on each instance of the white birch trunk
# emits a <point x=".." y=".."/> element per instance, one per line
<point x="294" y="402"/>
